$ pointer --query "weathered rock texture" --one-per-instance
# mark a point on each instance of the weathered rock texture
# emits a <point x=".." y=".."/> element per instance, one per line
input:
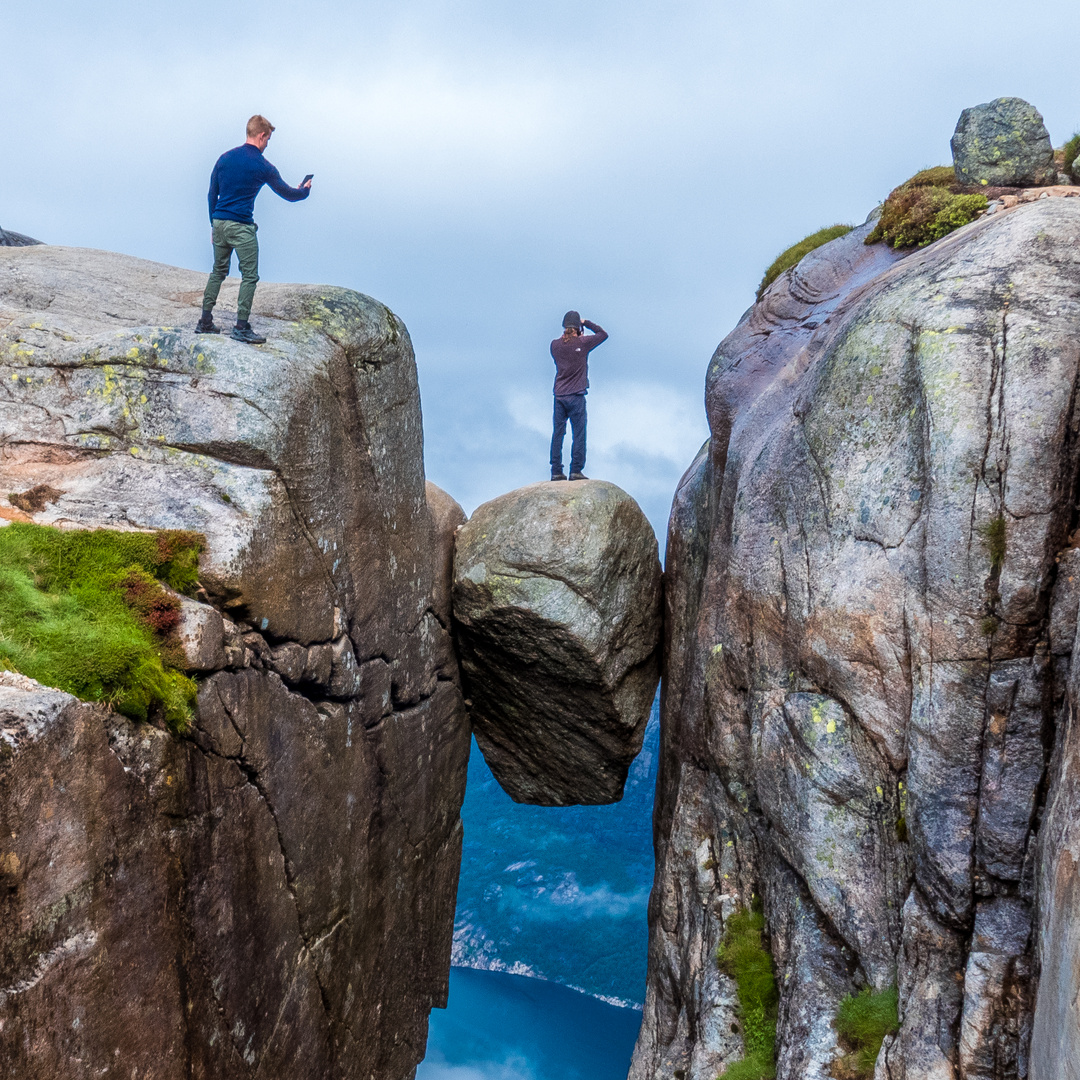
<point x="870" y="614"/>
<point x="1003" y="143"/>
<point x="557" y="618"/>
<point x="273" y="895"/>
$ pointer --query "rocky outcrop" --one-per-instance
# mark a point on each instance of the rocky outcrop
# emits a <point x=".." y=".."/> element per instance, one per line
<point x="448" y="517"/>
<point x="273" y="894"/>
<point x="14" y="239"/>
<point x="1003" y="143"/>
<point x="557" y="618"/>
<point x="870" y="610"/>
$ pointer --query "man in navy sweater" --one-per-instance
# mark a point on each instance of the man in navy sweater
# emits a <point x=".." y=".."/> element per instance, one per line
<point x="571" y="355"/>
<point x="237" y="178"/>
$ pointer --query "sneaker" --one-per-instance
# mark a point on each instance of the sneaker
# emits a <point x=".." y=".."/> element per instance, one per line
<point x="560" y="475"/>
<point x="247" y="335"/>
<point x="578" y="476"/>
<point x="207" y="327"/>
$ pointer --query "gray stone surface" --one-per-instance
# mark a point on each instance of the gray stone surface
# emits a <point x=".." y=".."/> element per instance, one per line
<point x="869" y="622"/>
<point x="557" y="617"/>
<point x="1003" y="143"/>
<point x="272" y="895"/>
<point x="202" y="636"/>
<point x="1055" y="1042"/>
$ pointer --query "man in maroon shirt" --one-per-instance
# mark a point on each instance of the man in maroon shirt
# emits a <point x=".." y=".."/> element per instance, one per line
<point x="571" y="356"/>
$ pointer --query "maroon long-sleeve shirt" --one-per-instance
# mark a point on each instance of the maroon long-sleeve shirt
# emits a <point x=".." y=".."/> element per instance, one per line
<point x="571" y="358"/>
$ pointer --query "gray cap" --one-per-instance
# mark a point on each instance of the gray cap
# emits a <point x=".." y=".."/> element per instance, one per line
<point x="572" y="318"/>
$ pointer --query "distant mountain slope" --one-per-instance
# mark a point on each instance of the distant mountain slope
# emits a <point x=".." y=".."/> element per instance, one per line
<point x="559" y="892"/>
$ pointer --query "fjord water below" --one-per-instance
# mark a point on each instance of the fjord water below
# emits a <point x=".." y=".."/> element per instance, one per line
<point x="510" y="1027"/>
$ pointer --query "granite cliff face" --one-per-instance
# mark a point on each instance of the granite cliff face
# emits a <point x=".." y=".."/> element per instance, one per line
<point x="871" y="605"/>
<point x="273" y="894"/>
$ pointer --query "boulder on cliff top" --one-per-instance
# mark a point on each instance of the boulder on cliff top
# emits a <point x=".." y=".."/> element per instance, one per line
<point x="1003" y="143"/>
<point x="557" y="618"/>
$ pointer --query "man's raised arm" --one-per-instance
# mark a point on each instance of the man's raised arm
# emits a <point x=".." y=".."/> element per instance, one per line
<point x="279" y="187"/>
<point x="598" y="336"/>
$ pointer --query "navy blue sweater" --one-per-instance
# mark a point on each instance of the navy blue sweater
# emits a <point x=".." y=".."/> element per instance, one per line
<point x="236" y="180"/>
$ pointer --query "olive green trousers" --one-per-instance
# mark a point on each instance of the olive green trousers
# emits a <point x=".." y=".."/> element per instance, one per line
<point x="230" y="236"/>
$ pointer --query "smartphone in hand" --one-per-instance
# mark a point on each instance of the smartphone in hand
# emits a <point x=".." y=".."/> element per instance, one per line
<point x="306" y="180"/>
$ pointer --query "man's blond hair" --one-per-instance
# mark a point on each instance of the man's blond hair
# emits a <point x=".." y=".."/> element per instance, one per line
<point x="258" y="125"/>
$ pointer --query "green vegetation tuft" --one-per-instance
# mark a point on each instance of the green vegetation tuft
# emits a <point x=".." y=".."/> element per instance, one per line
<point x="794" y="254"/>
<point x="936" y="176"/>
<point x="925" y="208"/>
<point x="84" y="611"/>
<point x="862" y="1021"/>
<point x="993" y="532"/>
<point x="1072" y="152"/>
<point x="742" y="955"/>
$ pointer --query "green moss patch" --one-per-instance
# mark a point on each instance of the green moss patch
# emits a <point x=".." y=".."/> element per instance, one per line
<point x="993" y="532"/>
<point x="85" y="611"/>
<point x="936" y="176"/>
<point x="862" y="1021"/>
<point x="795" y="254"/>
<point x="742" y="955"/>
<point x="925" y="208"/>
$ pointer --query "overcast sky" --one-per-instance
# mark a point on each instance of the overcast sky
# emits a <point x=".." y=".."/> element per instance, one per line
<point x="481" y="167"/>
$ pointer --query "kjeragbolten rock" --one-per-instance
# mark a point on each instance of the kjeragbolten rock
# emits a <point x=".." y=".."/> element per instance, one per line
<point x="557" y="620"/>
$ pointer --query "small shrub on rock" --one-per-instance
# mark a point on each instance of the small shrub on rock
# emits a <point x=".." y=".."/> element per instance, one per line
<point x="1069" y="158"/>
<point x="862" y="1022"/>
<point x="924" y="209"/>
<point x="742" y="956"/>
<point x="795" y="254"/>
<point x="85" y="611"/>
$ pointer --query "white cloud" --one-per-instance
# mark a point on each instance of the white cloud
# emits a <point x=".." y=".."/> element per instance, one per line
<point x="641" y="436"/>
<point x="568" y="900"/>
<point x="435" y="1067"/>
<point x="643" y="419"/>
<point x="482" y="166"/>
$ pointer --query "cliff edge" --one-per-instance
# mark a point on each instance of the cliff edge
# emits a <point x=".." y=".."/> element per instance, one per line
<point x="271" y="894"/>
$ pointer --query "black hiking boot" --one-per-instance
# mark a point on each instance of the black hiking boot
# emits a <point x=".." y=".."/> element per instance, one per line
<point x="242" y="332"/>
<point x="560" y="475"/>
<point x="578" y="476"/>
<point x="206" y="324"/>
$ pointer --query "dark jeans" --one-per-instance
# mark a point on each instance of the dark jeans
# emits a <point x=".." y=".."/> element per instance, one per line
<point x="570" y="408"/>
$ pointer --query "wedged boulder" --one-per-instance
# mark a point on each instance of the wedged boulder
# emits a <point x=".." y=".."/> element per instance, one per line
<point x="273" y="893"/>
<point x="557" y="621"/>
<point x="871" y="605"/>
<point x="1003" y="143"/>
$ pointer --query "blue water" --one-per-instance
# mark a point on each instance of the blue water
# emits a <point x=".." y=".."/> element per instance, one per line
<point x="509" y="1027"/>
<point x="562" y="891"/>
